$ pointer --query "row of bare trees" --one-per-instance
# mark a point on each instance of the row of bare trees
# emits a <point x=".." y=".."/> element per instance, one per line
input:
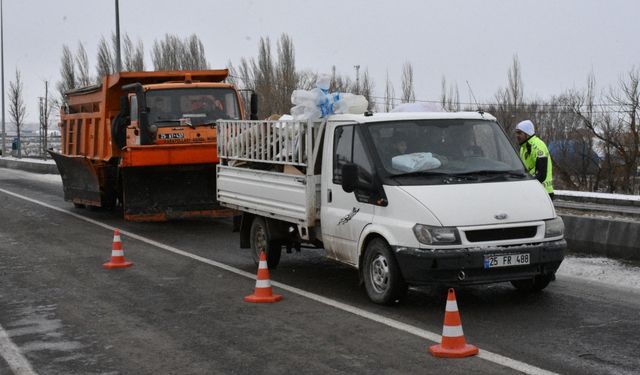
<point x="593" y="134"/>
<point x="170" y="53"/>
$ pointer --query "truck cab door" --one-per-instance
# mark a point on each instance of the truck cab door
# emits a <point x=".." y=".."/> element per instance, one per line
<point x="345" y="215"/>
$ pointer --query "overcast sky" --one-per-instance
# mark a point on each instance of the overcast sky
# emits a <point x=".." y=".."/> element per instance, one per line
<point x="558" y="42"/>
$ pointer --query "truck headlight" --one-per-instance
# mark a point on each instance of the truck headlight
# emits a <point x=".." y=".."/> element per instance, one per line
<point x="553" y="227"/>
<point x="430" y="235"/>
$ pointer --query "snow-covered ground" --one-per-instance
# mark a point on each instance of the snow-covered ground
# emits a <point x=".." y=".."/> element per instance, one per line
<point x="624" y="197"/>
<point x="30" y="160"/>
<point x="602" y="270"/>
<point x="594" y="269"/>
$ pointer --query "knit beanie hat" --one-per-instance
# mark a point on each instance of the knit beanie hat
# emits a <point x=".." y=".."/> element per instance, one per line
<point x="526" y="127"/>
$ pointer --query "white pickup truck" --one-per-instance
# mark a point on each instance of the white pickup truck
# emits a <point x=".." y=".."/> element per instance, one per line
<point x="405" y="198"/>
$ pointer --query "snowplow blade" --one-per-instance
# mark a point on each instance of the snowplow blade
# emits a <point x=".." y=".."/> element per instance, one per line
<point x="161" y="193"/>
<point x="80" y="181"/>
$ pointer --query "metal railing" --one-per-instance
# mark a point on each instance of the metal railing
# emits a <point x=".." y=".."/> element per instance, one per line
<point x="273" y="142"/>
<point x="31" y="146"/>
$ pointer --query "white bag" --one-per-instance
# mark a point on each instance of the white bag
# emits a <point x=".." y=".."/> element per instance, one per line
<point x="419" y="161"/>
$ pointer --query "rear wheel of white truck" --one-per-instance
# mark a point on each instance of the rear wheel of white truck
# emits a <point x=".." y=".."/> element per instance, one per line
<point x="260" y="240"/>
<point x="382" y="278"/>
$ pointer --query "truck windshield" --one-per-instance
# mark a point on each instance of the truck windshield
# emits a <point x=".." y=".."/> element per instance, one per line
<point x="194" y="106"/>
<point x="468" y="150"/>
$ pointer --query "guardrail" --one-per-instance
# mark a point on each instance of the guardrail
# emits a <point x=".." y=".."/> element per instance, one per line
<point x="32" y="146"/>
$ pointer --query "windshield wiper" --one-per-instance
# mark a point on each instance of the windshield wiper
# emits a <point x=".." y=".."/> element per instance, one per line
<point x="172" y="120"/>
<point x="420" y="173"/>
<point x="494" y="174"/>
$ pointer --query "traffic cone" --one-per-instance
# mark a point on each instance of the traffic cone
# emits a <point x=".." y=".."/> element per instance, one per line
<point x="117" y="254"/>
<point x="263" y="292"/>
<point x="453" y="344"/>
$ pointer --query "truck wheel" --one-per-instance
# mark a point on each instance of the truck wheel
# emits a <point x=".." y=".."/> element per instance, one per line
<point x="382" y="278"/>
<point x="532" y="285"/>
<point x="260" y="240"/>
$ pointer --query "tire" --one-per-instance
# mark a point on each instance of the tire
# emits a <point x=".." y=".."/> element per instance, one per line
<point x="382" y="278"/>
<point x="259" y="237"/>
<point x="533" y="285"/>
<point x="78" y="205"/>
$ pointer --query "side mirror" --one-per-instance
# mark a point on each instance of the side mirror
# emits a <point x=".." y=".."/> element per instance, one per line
<point x="349" y="177"/>
<point x="254" y="106"/>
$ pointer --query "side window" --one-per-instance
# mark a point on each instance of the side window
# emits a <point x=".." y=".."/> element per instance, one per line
<point x="134" y="108"/>
<point x="342" y="149"/>
<point x="361" y="159"/>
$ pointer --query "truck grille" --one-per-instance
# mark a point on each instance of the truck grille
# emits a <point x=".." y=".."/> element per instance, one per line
<point x="501" y="234"/>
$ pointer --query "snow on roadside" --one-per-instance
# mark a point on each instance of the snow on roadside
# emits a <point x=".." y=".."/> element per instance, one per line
<point x="622" y="197"/>
<point x="603" y="270"/>
<point x="30" y="160"/>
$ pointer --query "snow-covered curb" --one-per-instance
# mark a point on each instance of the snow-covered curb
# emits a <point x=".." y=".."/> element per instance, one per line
<point x="584" y="194"/>
<point x="602" y="270"/>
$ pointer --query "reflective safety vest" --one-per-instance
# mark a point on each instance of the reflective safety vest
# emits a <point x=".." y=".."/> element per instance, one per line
<point x="530" y="151"/>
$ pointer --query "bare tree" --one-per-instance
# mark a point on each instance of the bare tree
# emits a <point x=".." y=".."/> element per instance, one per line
<point x="133" y="55"/>
<point x="172" y="53"/>
<point x="389" y="94"/>
<point x="193" y="57"/>
<point x="17" y="109"/>
<point x="449" y="96"/>
<point x="618" y="132"/>
<point x="408" y="92"/>
<point x="515" y="87"/>
<point x="67" y="73"/>
<point x="366" y="89"/>
<point x="509" y="100"/>
<point x="264" y="76"/>
<point x="286" y="78"/>
<point x="243" y="77"/>
<point x="82" y="65"/>
<point x="167" y="54"/>
<point x="340" y="83"/>
<point x="307" y="79"/>
<point x="105" y="64"/>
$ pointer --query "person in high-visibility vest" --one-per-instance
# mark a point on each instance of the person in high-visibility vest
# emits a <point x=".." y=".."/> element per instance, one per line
<point x="535" y="155"/>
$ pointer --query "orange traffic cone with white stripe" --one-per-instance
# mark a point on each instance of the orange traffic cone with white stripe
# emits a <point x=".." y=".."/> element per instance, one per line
<point x="117" y="254"/>
<point x="453" y="344"/>
<point x="263" y="292"/>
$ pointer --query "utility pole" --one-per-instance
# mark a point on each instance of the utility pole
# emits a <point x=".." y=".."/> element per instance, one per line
<point x="118" y="59"/>
<point x="41" y="118"/>
<point x="357" y="78"/>
<point x="44" y="120"/>
<point x="4" y="132"/>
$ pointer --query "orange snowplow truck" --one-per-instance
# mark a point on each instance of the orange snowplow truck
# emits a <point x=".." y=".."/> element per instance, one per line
<point x="147" y="141"/>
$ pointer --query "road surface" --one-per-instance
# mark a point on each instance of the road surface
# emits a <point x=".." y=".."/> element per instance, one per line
<point x="180" y="308"/>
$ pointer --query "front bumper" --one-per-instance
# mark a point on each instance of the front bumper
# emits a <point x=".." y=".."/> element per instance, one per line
<point x="454" y="267"/>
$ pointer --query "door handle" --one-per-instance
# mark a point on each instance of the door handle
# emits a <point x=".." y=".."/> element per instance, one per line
<point x="329" y="197"/>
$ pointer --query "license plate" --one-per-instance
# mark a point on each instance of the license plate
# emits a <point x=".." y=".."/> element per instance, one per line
<point x="506" y="260"/>
<point x="171" y="135"/>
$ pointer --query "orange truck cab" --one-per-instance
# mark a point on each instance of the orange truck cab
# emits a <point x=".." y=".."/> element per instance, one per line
<point x="146" y="142"/>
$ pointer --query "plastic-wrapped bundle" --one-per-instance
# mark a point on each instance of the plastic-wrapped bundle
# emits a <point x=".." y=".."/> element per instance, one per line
<point x="350" y="103"/>
<point x="318" y="102"/>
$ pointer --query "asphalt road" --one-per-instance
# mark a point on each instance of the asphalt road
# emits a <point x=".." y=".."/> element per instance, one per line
<point x="180" y="308"/>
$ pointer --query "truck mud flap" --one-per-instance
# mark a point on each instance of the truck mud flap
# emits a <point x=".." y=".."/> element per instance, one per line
<point x="161" y="193"/>
<point x="80" y="181"/>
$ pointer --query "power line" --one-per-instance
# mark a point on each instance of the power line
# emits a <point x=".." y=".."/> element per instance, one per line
<point x="524" y="108"/>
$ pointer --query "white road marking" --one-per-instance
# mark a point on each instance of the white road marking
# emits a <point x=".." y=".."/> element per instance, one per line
<point x="11" y="353"/>
<point x="419" y="332"/>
